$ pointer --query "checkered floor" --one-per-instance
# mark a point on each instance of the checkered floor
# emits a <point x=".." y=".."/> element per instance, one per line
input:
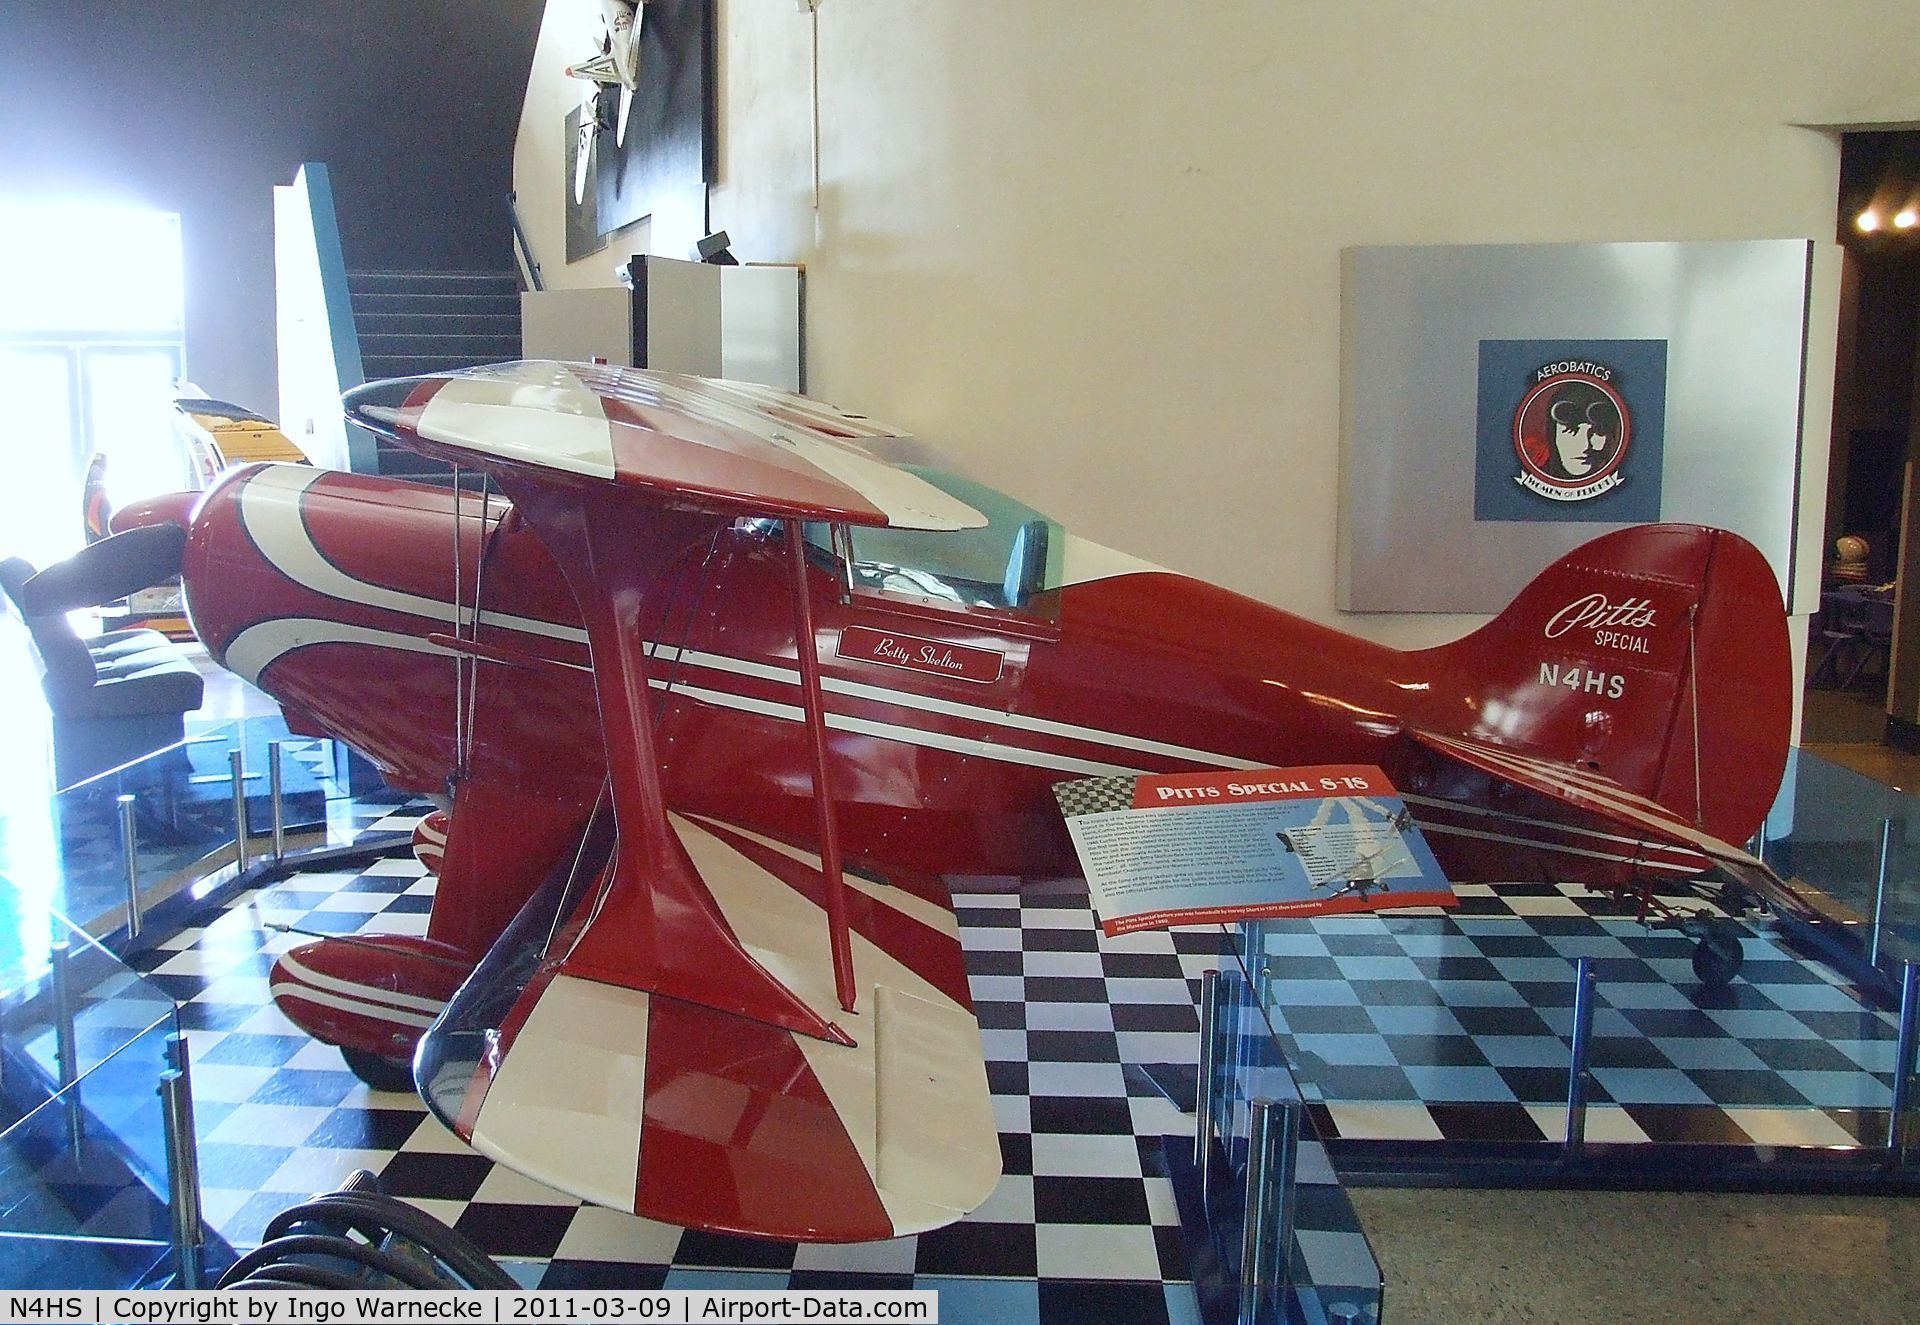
<point x="1458" y="1026"/>
<point x="1084" y="1223"/>
<point x="1449" y="1026"/>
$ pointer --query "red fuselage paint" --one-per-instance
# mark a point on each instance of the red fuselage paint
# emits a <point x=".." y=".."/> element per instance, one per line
<point x="332" y="585"/>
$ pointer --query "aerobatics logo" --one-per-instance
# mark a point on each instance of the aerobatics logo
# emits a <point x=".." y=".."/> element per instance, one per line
<point x="1570" y="430"/>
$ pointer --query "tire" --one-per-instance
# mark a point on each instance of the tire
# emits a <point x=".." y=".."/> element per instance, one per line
<point x="379" y="1072"/>
<point x="1717" y="958"/>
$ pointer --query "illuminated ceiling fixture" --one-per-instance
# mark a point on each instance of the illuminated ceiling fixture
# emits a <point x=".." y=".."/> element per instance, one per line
<point x="1867" y="222"/>
<point x="1906" y="219"/>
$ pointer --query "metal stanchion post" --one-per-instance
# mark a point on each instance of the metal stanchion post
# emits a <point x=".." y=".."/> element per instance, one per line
<point x="1253" y="943"/>
<point x="66" y="1048"/>
<point x="183" y="1167"/>
<point x="1233" y="1066"/>
<point x="1903" y="1067"/>
<point x="279" y="810"/>
<point x="1578" y="1077"/>
<point x="130" y="851"/>
<point x="1208" y="1085"/>
<point x="237" y="764"/>
<point x="1266" y="1236"/>
<point x="1880" y="891"/>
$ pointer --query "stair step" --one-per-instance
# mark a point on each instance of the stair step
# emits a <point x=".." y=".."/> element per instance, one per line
<point x="376" y="366"/>
<point x="435" y="343"/>
<point x="435" y="305"/>
<point x="454" y="321"/>
<point x="433" y="282"/>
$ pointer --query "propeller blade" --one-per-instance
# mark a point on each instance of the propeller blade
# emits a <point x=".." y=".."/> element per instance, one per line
<point x="102" y="572"/>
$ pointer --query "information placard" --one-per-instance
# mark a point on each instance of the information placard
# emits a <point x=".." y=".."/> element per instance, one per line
<point x="1192" y="848"/>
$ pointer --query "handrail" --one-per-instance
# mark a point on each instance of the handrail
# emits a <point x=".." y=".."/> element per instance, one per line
<point x="528" y="265"/>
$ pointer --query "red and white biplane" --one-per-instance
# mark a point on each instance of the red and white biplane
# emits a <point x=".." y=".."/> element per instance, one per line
<point x="717" y="699"/>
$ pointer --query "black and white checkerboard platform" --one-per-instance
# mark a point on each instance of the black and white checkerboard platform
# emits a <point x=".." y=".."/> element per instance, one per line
<point x="1428" y="1026"/>
<point x="1458" y="1026"/>
<point x="1083" y="1225"/>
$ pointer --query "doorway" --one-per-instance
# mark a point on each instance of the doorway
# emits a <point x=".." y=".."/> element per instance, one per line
<point x="1863" y="663"/>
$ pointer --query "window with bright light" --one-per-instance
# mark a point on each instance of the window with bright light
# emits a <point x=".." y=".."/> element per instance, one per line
<point x="90" y="269"/>
<point x="91" y="342"/>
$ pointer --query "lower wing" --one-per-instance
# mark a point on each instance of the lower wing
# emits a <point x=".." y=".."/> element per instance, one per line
<point x="696" y="1116"/>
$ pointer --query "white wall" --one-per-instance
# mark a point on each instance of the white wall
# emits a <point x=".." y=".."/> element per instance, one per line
<point x="304" y="329"/>
<point x="1092" y="251"/>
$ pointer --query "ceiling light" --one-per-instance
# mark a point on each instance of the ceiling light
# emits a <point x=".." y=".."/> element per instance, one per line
<point x="1906" y="219"/>
<point x="1867" y="222"/>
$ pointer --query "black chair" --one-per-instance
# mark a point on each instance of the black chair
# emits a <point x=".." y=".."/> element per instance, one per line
<point x="1872" y="626"/>
<point x="114" y="698"/>
<point x="1836" y="635"/>
<point x="1855" y="632"/>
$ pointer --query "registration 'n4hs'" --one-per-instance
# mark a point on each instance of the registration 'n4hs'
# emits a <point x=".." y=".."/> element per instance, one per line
<point x="715" y="699"/>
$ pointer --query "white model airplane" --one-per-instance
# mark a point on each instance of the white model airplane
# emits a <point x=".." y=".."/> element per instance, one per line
<point x="615" y="65"/>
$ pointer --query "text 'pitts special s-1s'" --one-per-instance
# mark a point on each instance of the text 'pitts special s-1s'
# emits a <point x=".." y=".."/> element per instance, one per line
<point x="717" y="698"/>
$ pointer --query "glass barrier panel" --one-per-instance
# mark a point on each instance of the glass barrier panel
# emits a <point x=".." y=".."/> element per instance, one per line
<point x="87" y="1005"/>
<point x="1459" y="1027"/>
<point x="1826" y="829"/>
<point x="328" y="794"/>
<point x="1333" y="1275"/>
<point x="183" y="819"/>
<point x="83" y="1158"/>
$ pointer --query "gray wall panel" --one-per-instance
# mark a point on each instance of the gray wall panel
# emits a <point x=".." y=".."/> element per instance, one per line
<point x="1733" y="315"/>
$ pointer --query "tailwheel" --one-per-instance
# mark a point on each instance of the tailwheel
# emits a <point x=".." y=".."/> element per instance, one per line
<point x="1717" y="957"/>
<point x="379" y="1071"/>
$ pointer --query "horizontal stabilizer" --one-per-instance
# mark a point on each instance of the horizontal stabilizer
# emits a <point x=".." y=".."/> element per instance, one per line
<point x="730" y="447"/>
<point x="1613" y="827"/>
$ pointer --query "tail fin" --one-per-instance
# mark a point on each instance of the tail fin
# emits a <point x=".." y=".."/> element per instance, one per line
<point x="96" y="511"/>
<point x="1656" y="655"/>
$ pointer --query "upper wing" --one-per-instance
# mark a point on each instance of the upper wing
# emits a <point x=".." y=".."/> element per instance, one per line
<point x="729" y="447"/>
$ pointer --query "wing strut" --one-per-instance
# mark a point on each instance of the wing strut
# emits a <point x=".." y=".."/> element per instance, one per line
<point x="807" y="653"/>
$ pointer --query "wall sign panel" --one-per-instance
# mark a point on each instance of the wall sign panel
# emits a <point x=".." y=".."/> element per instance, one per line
<point x="1502" y="404"/>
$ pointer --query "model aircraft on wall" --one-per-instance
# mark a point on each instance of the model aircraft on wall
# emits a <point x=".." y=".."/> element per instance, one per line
<point x="715" y="699"/>
<point x="612" y="76"/>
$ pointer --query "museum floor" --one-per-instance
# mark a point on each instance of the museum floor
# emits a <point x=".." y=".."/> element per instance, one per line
<point x="1622" y="1258"/>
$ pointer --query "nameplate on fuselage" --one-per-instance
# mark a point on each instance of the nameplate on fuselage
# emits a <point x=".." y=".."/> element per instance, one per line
<point x="916" y="654"/>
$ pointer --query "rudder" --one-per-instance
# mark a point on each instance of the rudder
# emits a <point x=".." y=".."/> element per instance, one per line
<point x="1593" y="664"/>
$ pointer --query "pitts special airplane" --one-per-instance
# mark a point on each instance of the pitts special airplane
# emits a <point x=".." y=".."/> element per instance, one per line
<point x="716" y="699"/>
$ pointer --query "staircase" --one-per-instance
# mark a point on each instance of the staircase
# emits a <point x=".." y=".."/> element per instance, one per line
<point x="412" y="322"/>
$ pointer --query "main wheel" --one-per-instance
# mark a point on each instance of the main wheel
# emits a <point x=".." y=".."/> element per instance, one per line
<point x="378" y="1071"/>
<point x="1717" y="958"/>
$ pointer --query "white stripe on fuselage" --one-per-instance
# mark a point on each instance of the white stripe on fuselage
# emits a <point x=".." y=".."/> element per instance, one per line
<point x="358" y="1007"/>
<point x="949" y="708"/>
<point x="270" y="511"/>
<point x="354" y="989"/>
